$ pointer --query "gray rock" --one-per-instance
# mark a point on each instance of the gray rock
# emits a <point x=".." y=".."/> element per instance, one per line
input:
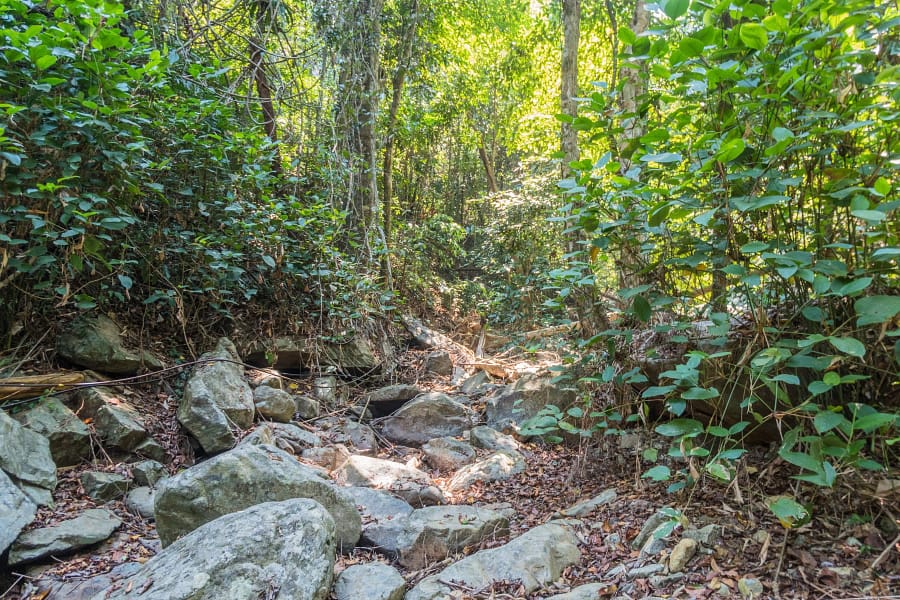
<point x="306" y="407"/>
<point x="327" y="390"/>
<point x="94" y="342"/>
<point x="116" y="421"/>
<point x="427" y="417"/>
<point x="377" y="508"/>
<point x="683" y="551"/>
<point x="148" y="472"/>
<point x="242" y="477"/>
<point x="16" y="511"/>
<point x="750" y="588"/>
<point x="276" y="549"/>
<point x="25" y="455"/>
<point x="104" y="486"/>
<point x="649" y="532"/>
<point x="371" y="581"/>
<point x="139" y="501"/>
<point x="275" y="405"/>
<point x="535" y="558"/>
<point x="588" y="591"/>
<point x="439" y="363"/>
<point x="447" y="453"/>
<point x="581" y="509"/>
<point x="151" y="449"/>
<point x="398" y="393"/>
<point x="661" y="581"/>
<point x="645" y="571"/>
<point x="411" y="484"/>
<point x="498" y="466"/>
<point x="521" y="401"/>
<point x="350" y="433"/>
<point x="327" y="457"/>
<point x="475" y="384"/>
<point x="90" y="527"/>
<point x="434" y="533"/>
<point x="70" y="439"/>
<point x="356" y="355"/>
<point x="217" y="398"/>
<point x="286" y="436"/>
<point x="38" y="495"/>
<point x="84" y="589"/>
<point x="491" y="439"/>
<point x="707" y="536"/>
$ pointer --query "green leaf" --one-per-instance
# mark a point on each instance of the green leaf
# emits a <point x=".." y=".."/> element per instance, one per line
<point x="789" y="512"/>
<point x="677" y="427"/>
<point x="827" y="420"/>
<point x="699" y="393"/>
<point x="854" y="287"/>
<point x="13" y="159"/>
<point x="754" y="35"/>
<point x="676" y="8"/>
<point x="731" y="150"/>
<point x="831" y="378"/>
<point x="719" y="471"/>
<point x="662" y="157"/>
<point x="882" y="186"/>
<point x="268" y="260"/>
<point x="802" y="460"/>
<point x="870" y="423"/>
<point x="650" y="454"/>
<point x="657" y="473"/>
<point x="126" y="281"/>
<point x="872" y="216"/>
<point x="46" y="61"/>
<point x="876" y="309"/>
<point x="848" y="345"/>
<point x="642" y="308"/>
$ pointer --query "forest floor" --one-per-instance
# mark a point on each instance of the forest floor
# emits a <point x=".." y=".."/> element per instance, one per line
<point x="831" y="557"/>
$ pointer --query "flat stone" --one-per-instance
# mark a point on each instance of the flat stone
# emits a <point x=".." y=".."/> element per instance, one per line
<point x="104" y="486"/>
<point x="708" y="536"/>
<point x="151" y="449"/>
<point x="683" y="551"/>
<point x="429" y="416"/>
<point x="275" y="549"/>
<point x="347" y="432"/>
<point x="411" y="484"/>
<point x="139" y="501"/>
<point x="275" y="405"/>
<point x="645" y="571"/>
<point x="148" y="472"/>
<point x="581" y="509"/>
<point x="243" y="477"/>
<point x="287" y="436"/>
<point x="750" y="588"/>
<point x="661" y="581"/>
<point x="90" y="527"/>
<point x="16" y="511"/>
<point x="371" y="581"/>
<point x="400" y="392"/>
<point x="447" y="453"/>
<point x="523" y="400"/>
<point x="25" y="455"/>
<point x="328" y="458"/>
<point x="535" y="558"/>
<point x="70" y="439"/>
<point x="95" y="342"/>
<point x="475" y="384"/>
<point x="588" y="591"/>
<point x="491" y="439"/>
<point x="496" y="467"/>
<point x="439" y="363"/>
<point x="86" y="588"/>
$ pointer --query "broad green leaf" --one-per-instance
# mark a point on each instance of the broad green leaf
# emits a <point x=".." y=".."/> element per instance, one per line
<point x="872" y="216"/>
<point x="802" y="460"/>
<point x="848" y="345"/>
<point x="676" y="8"/>
<point x="788" y="511"/>
<point x="662" y="157"/>
<point x="719" y="471"/>
<point x="268" y="260"/>
<point x="876" y="309"/>
<point x="831" y="378"/>
<point x="874" y="421"/>
<point x="46" y="61"/>
<point x="677" y="427"/>
<point x="642" y="308"/>
<point x="657" y="473"/>
<point x="853" y="287"/>
<point x="699" y="393"/>
<point x="882" y="186"/>
<point x="126" y="281"/>
<point x="754" y="35"/>
<point x="731" y="150"/>
<point x="827" y="420"/>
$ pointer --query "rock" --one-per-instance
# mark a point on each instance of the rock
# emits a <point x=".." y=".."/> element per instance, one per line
<point x="447" y="453"/>
<point x="116" y="421"/>
<point x="70" y="439"/>
<point x="377" y="508"/>
<point x="90" y="527"/>
<point x="427" y="417"/>
<point x="242" y="477"/>
<point x="216" y="397"/>
<point x="750" y="588"/>
<point x="327" y="390"/>
<point x="104" y="486"/>
<point x="645" y="571"/>
<point x="386" y="400"/>
<point x="273" y="404"/>
<point x="661" y="581"/>
<point x="491" y="439"/>
<point x="371" y="581"/>
<point x="356" y="355"/>
<point x="38" y="495"/>
<point x="535" y="558"/>
<point x="139" y="501"/>
<point x="521" y="401"/>
<point x="585" y="508"/>
<point x="648" y="541"/>
<point x="707" y="536"/>
<point x="83" y="589"/>
<point x="94" y="342"/>
<point x="286" y="436"/>
<point x="589" y="591"/>
<point x="152" y="449"/>
<point x="25" y="455"/>
<point x="147" y="472"/>
<point x="439" y="363"/>
<point x="275" y="549"/>
<point x="475" y="384"/>
<point x="350" y="433"/>
<point x="306" y="407"/>
<point x="683" y="551"/>
<point x="431" y="534"/>
<point x="327" y="457"/>
<point x="409" y="483"/>
<point x="16" y="511"/>
<point x="499" y="465"/>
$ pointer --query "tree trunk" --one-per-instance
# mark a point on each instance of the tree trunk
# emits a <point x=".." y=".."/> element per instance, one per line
<point x="569" y="78"/>
<point x="488" y="169"/>
<point x="260" y="79"/>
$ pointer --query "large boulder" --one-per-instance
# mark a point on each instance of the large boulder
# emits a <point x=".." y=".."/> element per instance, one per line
<point x="516" y="403"/>
<point x="276" y="549"/>
<point x="429" y="416"/>
<point x="94" y="342"/>
<point x="16" y="511"/>
<point x="439" y="362"/>
<point x="370" y="581"/>
<point x="350" y="433"/>
<point x="411" y="484"/>
<point x="500" y="465"/>
<point x="90" y="527"/>
<point x="116" y="421"/>
<point x="104" y="486"/>
<point x="535" y="558"/>
<point x="384" y="401"/>
<point x="286" y="436"/>
<point x="433" y="533"/>
<point x="26" y="458"/>
<point x="274" y="405"/>
<point x="217" y="398"/>
<point x="243" y="477"/>
<point x="357" y="355"/>
<point x="447" y="454"/>
<point x="491" y="439"/>
<point x="70" y="439"/>
<point x="377" y="508"/>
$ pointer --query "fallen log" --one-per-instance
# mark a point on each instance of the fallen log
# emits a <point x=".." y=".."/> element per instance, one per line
<point x="26" y="386"/>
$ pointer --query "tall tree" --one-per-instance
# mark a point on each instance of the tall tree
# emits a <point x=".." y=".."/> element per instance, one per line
<point x="571" y="10"/>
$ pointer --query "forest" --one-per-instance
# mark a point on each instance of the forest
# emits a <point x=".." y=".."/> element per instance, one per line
<point x="653" y="245"/>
